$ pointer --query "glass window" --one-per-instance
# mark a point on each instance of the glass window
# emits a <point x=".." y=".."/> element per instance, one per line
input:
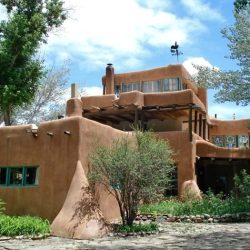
<point x="16" y="176"/>
<point x="3" y="176"/>
<point x="230" y="141"/>
<point x="151" y="86"/>
<point x="218" y="141"/>
<point x="117" y="90"/>
<point x="243" y="141"/>
<point x="171" y="84"/>
<point x="31" y="174"/>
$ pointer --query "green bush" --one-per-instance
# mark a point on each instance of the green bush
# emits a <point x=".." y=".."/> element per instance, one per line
<point x="136" y="228"/>
<point x="23" y="225"/>
<point x="238" y="201"/>
<point x="241" y="185"/>
<point x="210" y="204"/>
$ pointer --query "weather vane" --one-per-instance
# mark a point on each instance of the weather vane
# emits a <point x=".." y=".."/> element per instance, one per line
<point x="175" y="51"/>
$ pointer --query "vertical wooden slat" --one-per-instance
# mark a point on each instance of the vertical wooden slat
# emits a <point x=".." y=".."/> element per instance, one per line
<point x="190" y="124"/>
<point x="195" y="121"/>
<point x="200" y="124"/>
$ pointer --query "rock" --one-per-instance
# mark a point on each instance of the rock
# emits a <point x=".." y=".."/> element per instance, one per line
<point x="206" y="216"/>
<point x="210" y="220"/>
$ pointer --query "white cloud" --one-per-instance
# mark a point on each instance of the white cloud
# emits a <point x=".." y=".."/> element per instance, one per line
<point x="202" y="10"/>
<point x="119" y="31"/>
<point x="188" y="64"/>
<point x="94" y="90"/>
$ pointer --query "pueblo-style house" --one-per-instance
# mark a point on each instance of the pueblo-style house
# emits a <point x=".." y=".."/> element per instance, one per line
<point x="43" y="171"/>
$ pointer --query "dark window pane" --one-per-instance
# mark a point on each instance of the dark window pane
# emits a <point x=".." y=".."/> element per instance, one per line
<point x="31" y="176"/>
<point x="16" y="176"/>
<point x="3" y="174"/>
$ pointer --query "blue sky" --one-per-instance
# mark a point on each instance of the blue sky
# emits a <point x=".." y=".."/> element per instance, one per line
<point x="137" y="34"/>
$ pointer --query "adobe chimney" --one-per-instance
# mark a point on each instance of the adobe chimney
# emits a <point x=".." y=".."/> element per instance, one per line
<point x="109" y="85"/>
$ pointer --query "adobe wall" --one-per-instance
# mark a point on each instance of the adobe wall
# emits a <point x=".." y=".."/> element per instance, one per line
<point x="57" y="157"/>
<point x="185" y="152"/>
<point x="229" y="127"/>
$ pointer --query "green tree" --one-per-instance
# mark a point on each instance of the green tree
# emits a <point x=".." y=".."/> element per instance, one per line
<point x="241" y="4"/>
<point x="232" y="85"/>
<point x="132" y="170"/>
<point x="26" y="28"/>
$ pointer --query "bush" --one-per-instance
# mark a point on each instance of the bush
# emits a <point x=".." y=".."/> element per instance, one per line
<point x="133" y="169"/>
<point x="23" y="225"/>
<point x="136" y="228"/>
<point x="242" y="185"/>
<point x="210" y="204"/>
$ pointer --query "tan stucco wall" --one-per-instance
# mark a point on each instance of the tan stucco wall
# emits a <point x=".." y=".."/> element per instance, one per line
<point x="56" y="157"/>
<point x="229" y="127"/>
<point x="184" y="154"/>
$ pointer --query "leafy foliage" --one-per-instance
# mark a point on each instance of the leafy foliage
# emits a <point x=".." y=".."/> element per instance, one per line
<point x="232" y="85"/>
<point x="136" y="228"/>
<point x="25" y="225"/>
<point x="238" y="201"/>
<point x="137" y="168"/>
<point x="242" y="185"/>
<point x="241" y="4"/>
<point x="21" y="35"/>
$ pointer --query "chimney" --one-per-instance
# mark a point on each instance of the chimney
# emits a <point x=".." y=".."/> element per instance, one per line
<point x="109" y="86"/>
<point x="74" y="90"/>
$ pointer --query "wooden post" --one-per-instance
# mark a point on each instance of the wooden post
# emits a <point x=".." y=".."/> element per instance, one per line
<point x="142" y="120"/>
<point x="204" y="128"/>
<point x="195" y="121"/>
<point x="136" y="118"/>
<point x="200" y="124"/>
<point x="190" y="124"/>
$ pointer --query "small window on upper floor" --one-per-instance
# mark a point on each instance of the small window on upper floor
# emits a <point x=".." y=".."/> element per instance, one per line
<point x="171" y="84"/>
<point x="18" y="176"/>
<point x="151" y="86"/>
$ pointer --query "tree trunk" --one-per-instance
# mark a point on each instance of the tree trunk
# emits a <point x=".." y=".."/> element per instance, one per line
<point x="6" y="117"/>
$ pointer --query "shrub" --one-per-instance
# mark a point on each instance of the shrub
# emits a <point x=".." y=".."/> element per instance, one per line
<point x="23" y="225"/>
<point x="241" y="185"/>
<point x="137" y="168"/>
<point x="136" y="228"/>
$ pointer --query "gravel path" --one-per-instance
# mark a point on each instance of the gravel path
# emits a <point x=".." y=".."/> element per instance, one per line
<point x="173" y="236"/>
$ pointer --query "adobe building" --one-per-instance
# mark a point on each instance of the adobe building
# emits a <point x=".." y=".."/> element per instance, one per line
<point x="43" y="171"/>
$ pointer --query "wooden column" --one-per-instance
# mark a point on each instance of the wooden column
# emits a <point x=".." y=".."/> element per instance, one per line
<point x="204" y="128"/>
<point x="195" y="121"/>
<point x="136" y="121"/>
<point x="200" y="124"/>
<point x="190" y="124"/>
<point x="142" y="120"/>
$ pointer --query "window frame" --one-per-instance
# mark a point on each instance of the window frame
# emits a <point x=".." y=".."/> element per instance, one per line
<point x="23" y="183"/>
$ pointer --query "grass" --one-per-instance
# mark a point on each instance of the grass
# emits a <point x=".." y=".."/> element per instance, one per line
<point x="23" y="225"/>
<point x="210" y="204"/>
<point x="136" y="228"/>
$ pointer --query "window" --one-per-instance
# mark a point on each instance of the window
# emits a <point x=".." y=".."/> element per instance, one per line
<point x="151" y="86"/>
<point x="3" y="175"/>
<point x="171" y="84"/>
<point x="127" y="87"/>
<point x="18" y="176"/>
<point x="231" y="141"/>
